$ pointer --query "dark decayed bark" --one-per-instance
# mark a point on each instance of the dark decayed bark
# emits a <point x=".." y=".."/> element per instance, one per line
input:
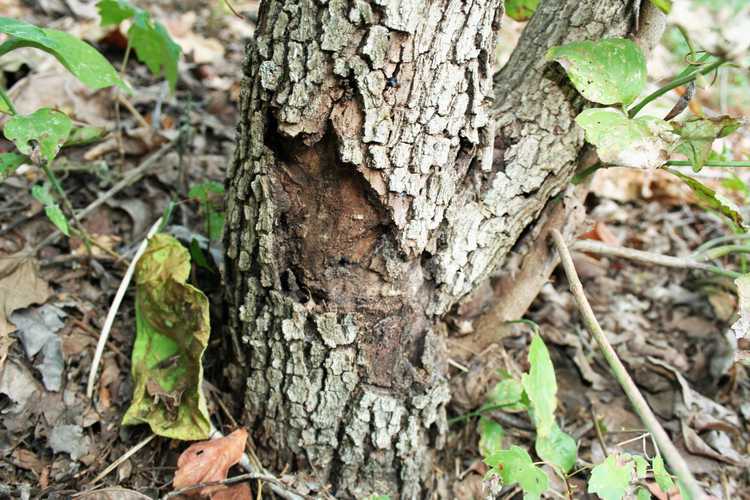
<point x="364" y="202"/>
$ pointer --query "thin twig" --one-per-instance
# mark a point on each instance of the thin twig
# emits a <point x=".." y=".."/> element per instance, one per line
<point x="131" y="177"/>
<point x="591" y="246"/>
<point x="226" y="482"/>
<point x="598" y="430"/>
<point x="639" y="403"/>
<point x="132" y="451"/>
<point x="114" y="308"/>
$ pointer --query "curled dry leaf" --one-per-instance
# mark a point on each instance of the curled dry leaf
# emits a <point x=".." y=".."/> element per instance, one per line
<point x="209" y="461"/>
<point x="112" y="494"/>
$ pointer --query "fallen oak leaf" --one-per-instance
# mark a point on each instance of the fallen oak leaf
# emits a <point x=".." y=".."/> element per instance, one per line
<point x="209" y="461"/>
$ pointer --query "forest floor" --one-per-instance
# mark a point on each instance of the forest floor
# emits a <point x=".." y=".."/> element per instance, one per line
<point x="668" y="325"/>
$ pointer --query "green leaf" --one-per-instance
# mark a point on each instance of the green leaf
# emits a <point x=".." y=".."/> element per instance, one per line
<point x="643" y="142"/>
<point x="23" y="30"/>
<point x="114" y="12"/>
<point x="698" y="135"/>
<point x="608" y="71"/>
<point x="490" y="436"/>
<point x="661" y="476"/>
<point x="642" y="494"/>
<point x="215" y="223"/>
<point x="515" y="466"/>
<point x="204" y="190"/>
<point x="557" y="448"/>
<point x="51" y="208"/>
<point x="172" y="330"/>
<point x="611" y="478"/>
<point x="712" y="200"/>
<point x="46" y="127"/>
<point x="641" y="466"/>
<point x="663" y="5"/>
<point x="540" y="386"/>
<point x="9" y="162"/>
<point x="80" y="58"/>
<point x="154" y="47"/>
<point x="507" y="393"/>
<point x="81" y="136"/>
<point x="520" y="10"/>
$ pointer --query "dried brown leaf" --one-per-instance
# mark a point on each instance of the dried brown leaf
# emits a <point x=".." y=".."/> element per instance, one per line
<point x="209" y="461"/>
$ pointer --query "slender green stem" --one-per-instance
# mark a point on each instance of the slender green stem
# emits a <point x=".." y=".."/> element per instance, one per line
<point x="718" y="252"/>
<point x="710" y="163"/>
<point x="704" y="247"/>
<point x="6" y="99"/>
<point x="677" y="82"/>
<point x="479" y="412"/>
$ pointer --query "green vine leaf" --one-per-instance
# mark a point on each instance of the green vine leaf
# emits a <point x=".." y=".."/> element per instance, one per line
<point x="515" y="466"/>
<point x="9" y="162"/>
<point x="557" y="448"/>
<point x="113" y="12"/>
<point x="643" y="142"/>
<point x="541" y="387"/>
<point x="51" y="208"/>
<point x="172" y="331"/>
<point x="663" y="5"/>
<point x="608" y="71"/>
<point x="490" y="436"/>
<point x="611" y="478"/>
<point x="661" y="476"/>
<point x="520" y="10"/>
<point x="206" y="193"/>
<point x="509" y="394"/>
<point x="698" y="134"/>
<point x="641" y="466"/>
<point x="154" y="47"/>
<point x="712" y="200"/>
<point x="80" y="58"/>
<point x="46" y="127"/>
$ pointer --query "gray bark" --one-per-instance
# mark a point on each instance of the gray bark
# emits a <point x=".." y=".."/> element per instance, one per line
<point x="364" y="202"/>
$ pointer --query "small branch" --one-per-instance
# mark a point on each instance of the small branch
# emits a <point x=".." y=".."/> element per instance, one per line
<point x="710" y="163"/>
<point x="650" y="257"/>
<point x="114" y="308"/>
<point x="228" y="481"/>
<point x="132" y="451"/>
<point x="668" y="449"/>
<point x="131" y="177"/>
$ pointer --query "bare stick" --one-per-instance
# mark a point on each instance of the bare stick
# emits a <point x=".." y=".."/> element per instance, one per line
<point x="225" y="482"/>
<point x="130" y="178"/>
<point x="648" y="418"/>
<point x="132" y="451"/>
<point x="114" y="308"/>
<point x="650" y="257"/>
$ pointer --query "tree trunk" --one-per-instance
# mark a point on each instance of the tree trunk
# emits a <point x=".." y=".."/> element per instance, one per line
<point x="364" y="202"/>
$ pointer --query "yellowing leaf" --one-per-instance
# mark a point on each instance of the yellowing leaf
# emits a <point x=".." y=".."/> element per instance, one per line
<point x="643" y="142"/>
<point x="172" y="333"/>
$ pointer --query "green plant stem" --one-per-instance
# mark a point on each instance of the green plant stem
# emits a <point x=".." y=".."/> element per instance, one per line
<point x="718" y="252"/>
<point x="718" y="241"/>
<point x="710" y="163"/>
<point x="4" y="96"/>
<point x="677" y="82"/>
<point x="650" y="257"/>
<point x="479" y="412"/>
<point x="662" y="439"/>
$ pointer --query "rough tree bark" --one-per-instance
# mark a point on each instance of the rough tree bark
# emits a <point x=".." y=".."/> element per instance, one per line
<point x="364" y="202"/>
